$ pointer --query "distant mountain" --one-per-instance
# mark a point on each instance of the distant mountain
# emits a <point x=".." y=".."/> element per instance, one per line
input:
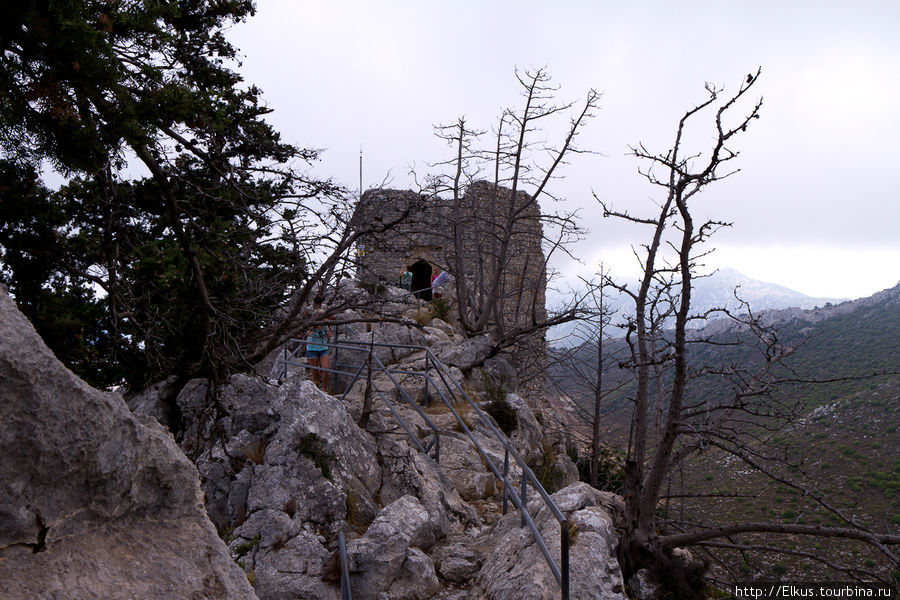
<point x="718" y="290"/>
<point x="848" y="339"/>
<point x="715" y="291"/>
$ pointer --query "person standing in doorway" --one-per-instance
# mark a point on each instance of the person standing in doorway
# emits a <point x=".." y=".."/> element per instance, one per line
<point x="438" y="284"/>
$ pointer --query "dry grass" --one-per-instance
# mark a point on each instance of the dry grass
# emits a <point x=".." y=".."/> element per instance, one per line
<point x="254" y="452"/>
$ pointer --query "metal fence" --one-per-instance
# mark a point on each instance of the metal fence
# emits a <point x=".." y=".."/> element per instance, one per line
<point x="451" y="393"/>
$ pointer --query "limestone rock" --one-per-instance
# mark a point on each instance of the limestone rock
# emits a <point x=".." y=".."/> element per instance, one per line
<point x="462" y="464"/>
<point x="444" y="326"/>
<point x="497" y="372"/>
<point x="642" y="586"/>
<point x="387" y="558"/>
<point x="393" y="333"/>
<point x="562" y="472"/>
<point x="516" y="568"/>
<point x="95" y="502"/>
<point x="289" y="471"/>
<point x="407" y="472"/>
<point x="457" y="561"/>
<point x="467" y="354"/>
<point x="154" y="401"/>
<point x="292" y="568"/>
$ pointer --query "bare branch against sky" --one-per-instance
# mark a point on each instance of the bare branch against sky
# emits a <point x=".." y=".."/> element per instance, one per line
<point x="816" y="207"/>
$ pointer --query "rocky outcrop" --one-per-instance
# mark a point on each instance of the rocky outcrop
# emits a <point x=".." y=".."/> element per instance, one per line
<point x="94" y="501"/>
<point x="285" y="468"/>
<point x="389" y="561"/>
<point x="516" y="568"/>
<point x="469" y="353"/>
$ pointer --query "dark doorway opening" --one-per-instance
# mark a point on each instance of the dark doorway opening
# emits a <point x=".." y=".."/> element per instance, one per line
<point x="421" y="279"/>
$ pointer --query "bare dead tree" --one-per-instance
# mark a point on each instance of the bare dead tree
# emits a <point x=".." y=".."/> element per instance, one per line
<point x="588" y="372"/>
<point x="493" y="220"/>
<point x="668" y="426"/>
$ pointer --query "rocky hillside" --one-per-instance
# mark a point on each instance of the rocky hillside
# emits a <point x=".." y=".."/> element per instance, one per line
<point x="842" y="441"/>
<point x="95" y="502"/>
<point x="284" y="468"/>
<point x="844" y="340"/>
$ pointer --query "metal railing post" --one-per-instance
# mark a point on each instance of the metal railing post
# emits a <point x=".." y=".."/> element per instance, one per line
<point x="524" y="496"/>
<point x="564" y="558"/>
<point x="505" y="475"/>
<point x="425" y="400"/>
<point x="345" y="573"/>
<point x="284" y="362"/>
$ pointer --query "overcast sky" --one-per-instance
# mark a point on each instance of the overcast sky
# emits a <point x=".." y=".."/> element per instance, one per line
<point x="816" y="206"/>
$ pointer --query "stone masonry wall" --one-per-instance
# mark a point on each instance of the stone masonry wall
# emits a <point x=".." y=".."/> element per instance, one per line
<point x="482" y="216"/>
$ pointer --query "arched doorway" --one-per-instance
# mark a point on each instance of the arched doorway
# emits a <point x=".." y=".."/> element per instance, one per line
<point x="421" y="279"/>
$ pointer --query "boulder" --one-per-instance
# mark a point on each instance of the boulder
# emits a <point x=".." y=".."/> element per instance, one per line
<point x="496" y="374"/>
<point x="155" y="401"/>
<point x="642" y="586"/>
<point x="393" y="333"/>
<point x="458" y="562"/>
<point x="462" y="464"/>
<point x="467" y="354"/>
<point x="442" y="325"/>
<point x="516" y="568"/>
<point x="95" y="502"/>
<point x="560" y="473"/>
<point x="387" y="562"/>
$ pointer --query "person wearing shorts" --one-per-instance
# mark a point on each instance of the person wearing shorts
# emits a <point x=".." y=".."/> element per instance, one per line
<point x="317" y="355"/>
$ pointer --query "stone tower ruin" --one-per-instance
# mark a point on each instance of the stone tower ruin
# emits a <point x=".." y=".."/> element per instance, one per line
<point x="427" y="236"/>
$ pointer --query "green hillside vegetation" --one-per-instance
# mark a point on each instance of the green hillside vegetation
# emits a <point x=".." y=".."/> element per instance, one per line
<point x="845" y="452"/>
<point x="837" y="438"/>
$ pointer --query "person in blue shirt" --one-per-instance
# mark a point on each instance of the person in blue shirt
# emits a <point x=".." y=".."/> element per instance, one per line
<point x="317" y="352"/>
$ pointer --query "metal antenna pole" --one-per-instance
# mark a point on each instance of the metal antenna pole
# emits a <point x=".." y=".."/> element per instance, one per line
<point x="360" y="171"/>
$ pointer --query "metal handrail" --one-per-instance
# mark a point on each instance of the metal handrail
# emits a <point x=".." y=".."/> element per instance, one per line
<point x="345" y="572"/>
<point x="561" y="572"/>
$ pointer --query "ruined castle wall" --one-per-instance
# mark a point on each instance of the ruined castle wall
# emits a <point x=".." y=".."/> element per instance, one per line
<point x="421" y="234"/>
<point x="523" y="283"/>
<point x="482" y="217"/>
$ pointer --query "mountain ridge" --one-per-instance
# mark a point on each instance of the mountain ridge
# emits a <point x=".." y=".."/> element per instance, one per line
<point x="716" y="290"/>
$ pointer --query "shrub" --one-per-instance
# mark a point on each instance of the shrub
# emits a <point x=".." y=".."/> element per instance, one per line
<point x="245" y="547"/>
<point x="494" y="391"/>
<point x="504" y="414"/>
<point x="254" y="451"/>
<point x="439" y="308"/>
<point x="610" y="476"/>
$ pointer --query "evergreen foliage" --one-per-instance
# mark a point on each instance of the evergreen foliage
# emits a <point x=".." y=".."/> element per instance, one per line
<point x="132" y="278"/>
